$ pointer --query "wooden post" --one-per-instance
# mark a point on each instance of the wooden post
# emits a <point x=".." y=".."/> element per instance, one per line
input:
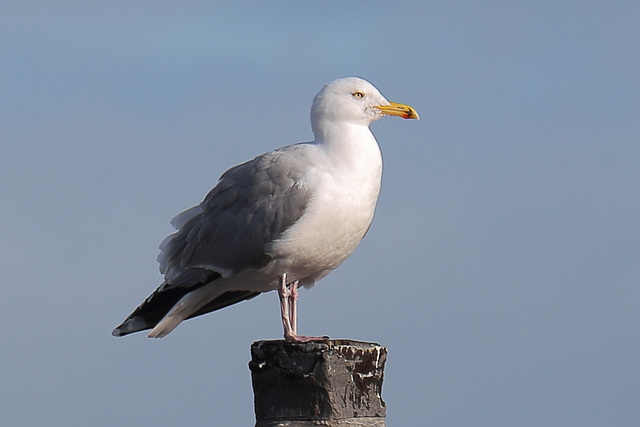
<point x="329" y="383"/>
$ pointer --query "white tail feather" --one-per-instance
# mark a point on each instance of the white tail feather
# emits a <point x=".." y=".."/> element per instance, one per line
<point x="166" y="325"/>
<point x="188" y="304"/>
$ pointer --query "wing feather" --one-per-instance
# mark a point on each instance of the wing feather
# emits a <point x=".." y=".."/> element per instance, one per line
<point x="252" y="205"/>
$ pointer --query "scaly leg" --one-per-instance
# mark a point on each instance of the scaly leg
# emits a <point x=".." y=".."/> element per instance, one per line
<point x="285" y="311"/>
<point x="289" y="311"/>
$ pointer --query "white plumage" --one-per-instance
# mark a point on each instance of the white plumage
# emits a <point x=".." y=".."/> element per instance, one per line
<point x="286" y="218"/>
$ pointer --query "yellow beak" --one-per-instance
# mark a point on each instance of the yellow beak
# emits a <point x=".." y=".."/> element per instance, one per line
<point x="400" y="110"/>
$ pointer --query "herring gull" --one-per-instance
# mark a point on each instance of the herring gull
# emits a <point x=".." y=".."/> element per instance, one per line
<point x="285" y="219"/>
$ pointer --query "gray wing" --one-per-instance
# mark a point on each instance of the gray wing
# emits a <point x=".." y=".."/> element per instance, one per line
<point x="252" y="204"/>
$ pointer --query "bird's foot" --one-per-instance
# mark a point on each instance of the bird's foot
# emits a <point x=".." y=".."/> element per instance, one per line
<point x="304" y="338"/>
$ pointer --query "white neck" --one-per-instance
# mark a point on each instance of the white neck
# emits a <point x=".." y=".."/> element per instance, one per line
<point x="353" y="150"/>
<point x="346" y="138"/>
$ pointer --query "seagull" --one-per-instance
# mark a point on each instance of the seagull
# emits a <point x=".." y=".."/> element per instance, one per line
<point x="285" y="219"/>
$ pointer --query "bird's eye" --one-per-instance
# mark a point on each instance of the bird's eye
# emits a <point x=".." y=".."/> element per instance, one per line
<point x="357" y="95"/>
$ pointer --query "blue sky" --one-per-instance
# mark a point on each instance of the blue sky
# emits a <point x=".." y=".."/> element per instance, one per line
<point x="502" y="266"/>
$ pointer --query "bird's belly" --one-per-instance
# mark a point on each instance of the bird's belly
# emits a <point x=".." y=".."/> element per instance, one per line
<point x="331" y="228"/>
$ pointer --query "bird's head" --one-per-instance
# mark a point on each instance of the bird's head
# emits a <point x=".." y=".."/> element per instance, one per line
<point x="354" y="100"/>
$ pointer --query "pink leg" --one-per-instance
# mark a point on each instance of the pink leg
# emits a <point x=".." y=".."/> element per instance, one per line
<point x="285" y="311"/>
<point x="293" y="306"/>
<point x="289" y="311"/>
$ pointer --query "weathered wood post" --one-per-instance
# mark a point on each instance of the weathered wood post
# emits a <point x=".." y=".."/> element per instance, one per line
<point x="329" y="383"/>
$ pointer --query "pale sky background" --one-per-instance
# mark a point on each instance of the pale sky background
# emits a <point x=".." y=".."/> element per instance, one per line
<point x="502" y="268"/>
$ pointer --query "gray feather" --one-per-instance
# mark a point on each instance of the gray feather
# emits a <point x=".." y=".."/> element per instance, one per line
<point x="252" y="204"/>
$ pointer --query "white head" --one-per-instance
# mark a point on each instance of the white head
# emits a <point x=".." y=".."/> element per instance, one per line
<point x="353" y="100"/>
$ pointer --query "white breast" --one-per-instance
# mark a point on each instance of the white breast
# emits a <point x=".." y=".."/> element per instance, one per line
<point x="346" y="184"/>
